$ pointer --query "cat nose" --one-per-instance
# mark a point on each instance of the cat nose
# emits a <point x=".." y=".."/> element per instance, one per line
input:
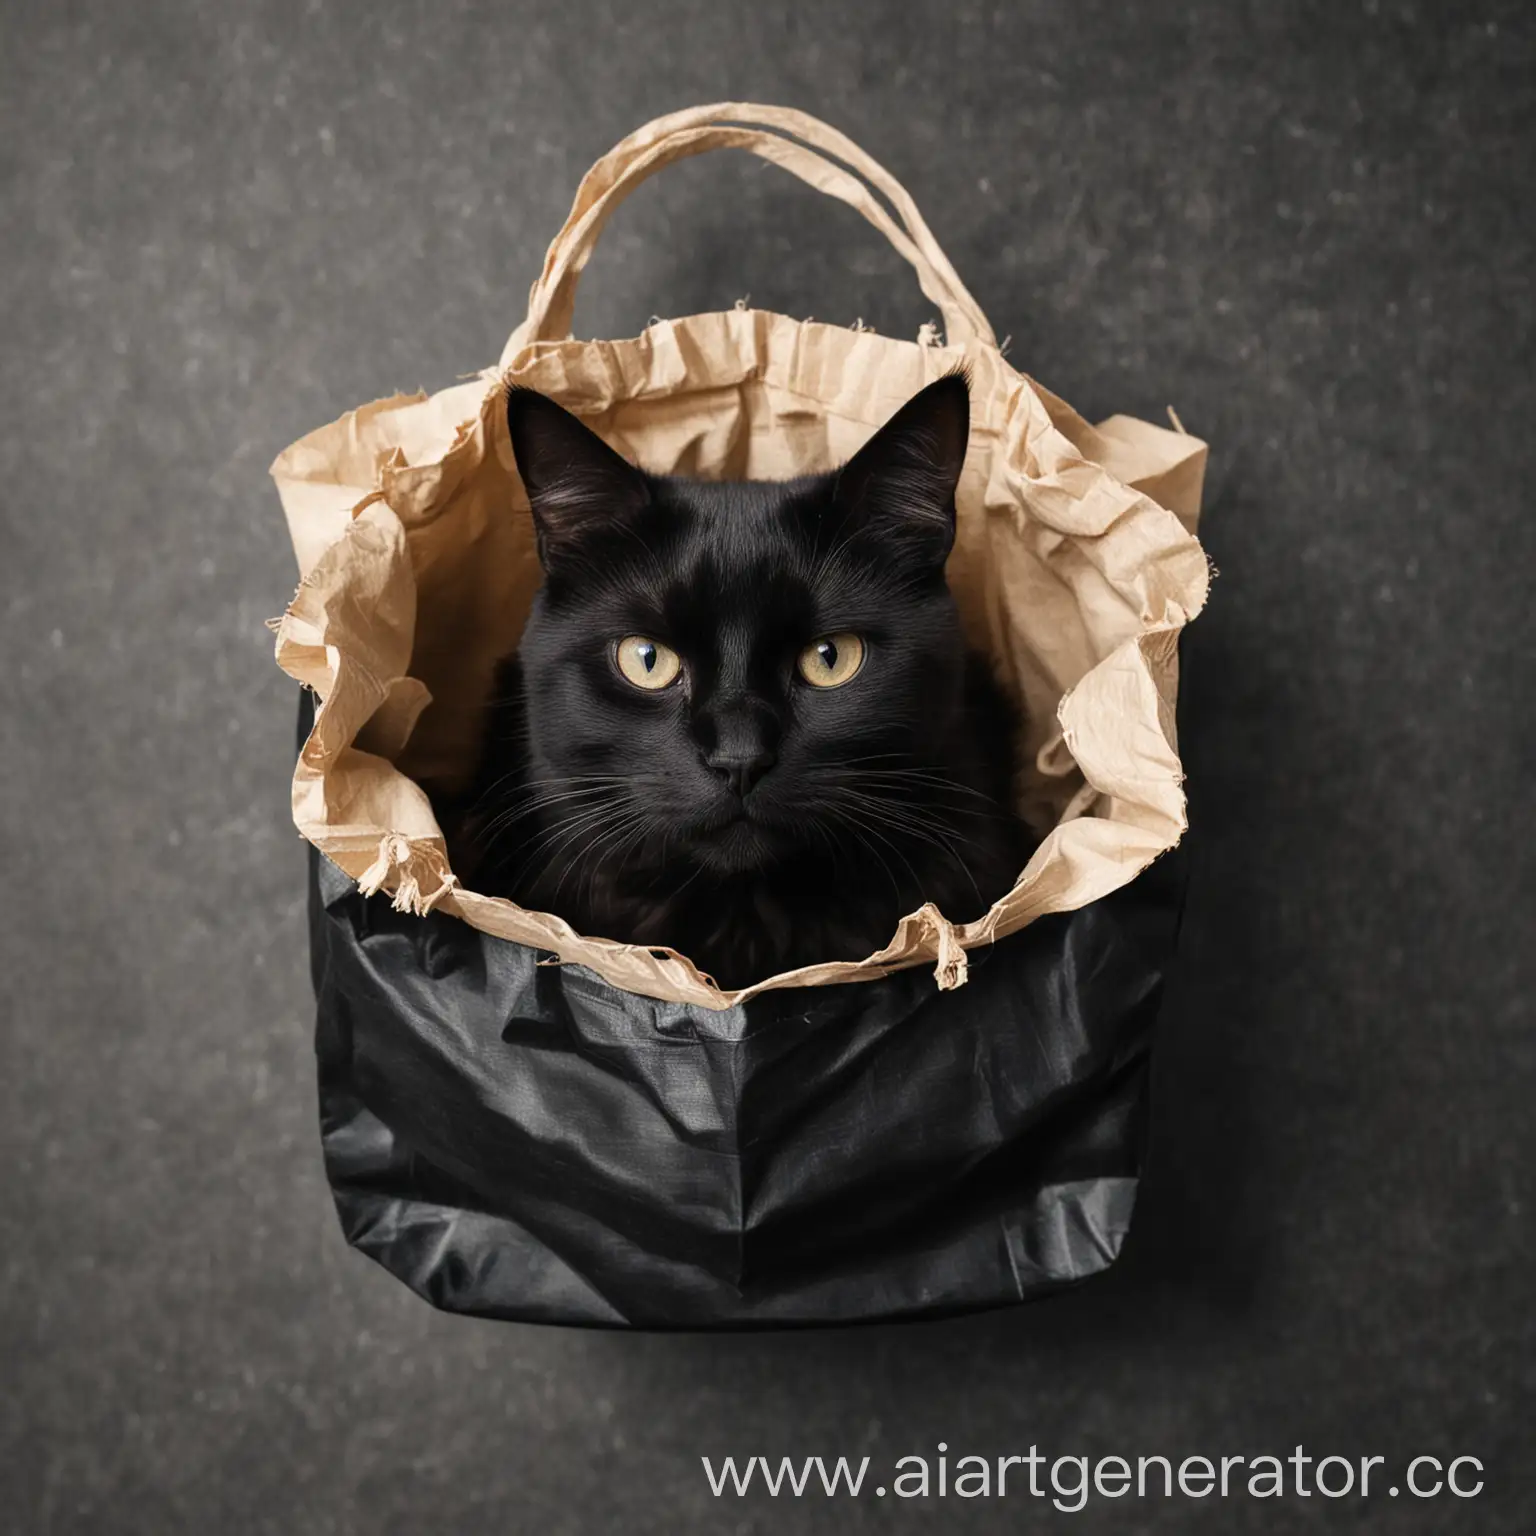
<point x="742" y="770"/>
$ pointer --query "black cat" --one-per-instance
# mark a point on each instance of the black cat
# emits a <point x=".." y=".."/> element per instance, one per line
<point x="742" y="721"/>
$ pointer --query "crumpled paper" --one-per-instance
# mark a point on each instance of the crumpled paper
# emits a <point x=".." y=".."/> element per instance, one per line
<point x="1076" y="564"/>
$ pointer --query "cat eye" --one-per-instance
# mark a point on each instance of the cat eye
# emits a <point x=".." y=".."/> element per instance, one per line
<point x="831" y="661"/>
<point x="647" y="663"/>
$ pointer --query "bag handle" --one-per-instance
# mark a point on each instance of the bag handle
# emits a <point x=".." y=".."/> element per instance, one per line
<point x="741" y="125"/>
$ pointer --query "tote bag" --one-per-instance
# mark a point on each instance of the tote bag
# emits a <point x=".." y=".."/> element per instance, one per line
<point x="524" y="1121"/>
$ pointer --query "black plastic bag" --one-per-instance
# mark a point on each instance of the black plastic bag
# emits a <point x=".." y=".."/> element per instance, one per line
<point x="523" y="1140"/>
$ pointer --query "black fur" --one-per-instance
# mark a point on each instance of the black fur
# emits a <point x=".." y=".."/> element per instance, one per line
<point x="742" y="816"/>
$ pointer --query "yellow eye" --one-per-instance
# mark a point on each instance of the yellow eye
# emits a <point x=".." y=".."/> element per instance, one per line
<point x="647" y="663"/>
<point x="831" y="661"/>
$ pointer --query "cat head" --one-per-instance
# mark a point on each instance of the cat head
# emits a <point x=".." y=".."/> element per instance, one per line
<point x="722" y="673"/>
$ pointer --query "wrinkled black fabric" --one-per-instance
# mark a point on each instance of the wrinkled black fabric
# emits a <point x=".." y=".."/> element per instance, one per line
<point x="523" y="1140"/>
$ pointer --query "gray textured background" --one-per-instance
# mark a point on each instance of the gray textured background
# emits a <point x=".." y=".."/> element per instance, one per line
<point x="1305" y="225"/>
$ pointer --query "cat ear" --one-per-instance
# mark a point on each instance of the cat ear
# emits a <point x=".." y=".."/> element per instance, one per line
<point x="577" y="485"/>
<point x="900" y="486"/>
